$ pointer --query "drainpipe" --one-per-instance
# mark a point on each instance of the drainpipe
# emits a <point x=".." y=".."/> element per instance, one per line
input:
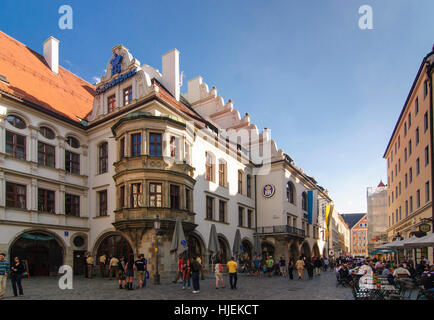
<point x="256" y="220"/>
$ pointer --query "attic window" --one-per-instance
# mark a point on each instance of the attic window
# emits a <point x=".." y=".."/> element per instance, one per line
<point x="4" y="79"/>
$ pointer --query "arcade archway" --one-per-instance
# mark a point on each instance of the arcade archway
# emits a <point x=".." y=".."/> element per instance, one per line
<point x="294" y="253"/>
<point x="41" y="250"/>
<point x="305" y="250"/>
<point x="225" y="251"/>
<point x="196" y="247"/>
<point x="315" y="251"/>
<point x="267" y="250"/>
<point x="115" y="245"/>
<point x="247" y="249"/>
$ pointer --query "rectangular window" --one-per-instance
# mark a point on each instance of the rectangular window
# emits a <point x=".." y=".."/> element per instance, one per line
<point x="249" y="218"/>
<point x="209" y="208"/>
<point x="103" y="158"/>
<point x="72" y="205"/>
<point x="425" y="121"/>
<point x="16" y="145"/>
<point x="72" y="162"/>
<point x="240" y="182"/>
<point x="409" y="148"/>
<point x="410" y="175"/>
<point x="409" y="120"/>
<point x="122" y="149"/>
<point x="122" y="197"/>
<point x="416" y="106"/>
<point x="136" y="144"/>
<point x="417" y="166"/>
<point x="15" y="195"/>
<point x="405" y="129"/>
<point x="136" y="195"/>
<point x="187" y="199"/>
<point x="155" y="195"/>
<point x="46" y="155"/>
<point x="240" y="216"/>
<point x="209" y="167"/>
<point x="418" y="198"/>
<point x="426" y="156"/>
<point x="411" y="204"/>
<point x="417" y="135"/>
<point x="102" y="197"/>
<point x="222" y="174"/>
<point x="222" y="211"/>
<point x="249" y="185"/>
<point x="111" y="103"/>
<point x="406" y="208"/>
<point x="425" y="88"/>
<point x="155" y="144"/>
<point x="46" y="201"/>
<point x="427" y="197"/>
<point x="128" y="95"/>
<point x="174" y="196"/>
<point x="406" y="180"/>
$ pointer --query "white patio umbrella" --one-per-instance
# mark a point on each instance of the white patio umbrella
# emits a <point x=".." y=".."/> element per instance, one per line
<point x="426" y="241"/>
<point x="179" y="244"/>
<point x="408" y="243"/>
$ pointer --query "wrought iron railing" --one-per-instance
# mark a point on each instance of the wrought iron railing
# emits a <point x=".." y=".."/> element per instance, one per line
<point x="282" y="229"/>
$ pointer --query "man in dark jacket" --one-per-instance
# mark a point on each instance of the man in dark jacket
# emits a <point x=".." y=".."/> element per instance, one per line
<point x="195" y="274"/>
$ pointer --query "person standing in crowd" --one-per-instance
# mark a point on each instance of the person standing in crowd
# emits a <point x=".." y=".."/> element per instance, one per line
<point x="401" y="272"/>
<point x="113" y="267"/>
<point x="17" y="270"/>
<point x="102" y="263"/>
<point x="186" y="275"/>
<point x="282" y="267"/>
<point x="4" y="270"/>
<point x="121" y="273"/>
<point x="141" y="266"/>
<point x="291" y="268"/>
<point x="232" y="268"/>
<point x="129" y="272"/>
<point x="309" y="267"/>
<point x="89" y="262"/>
<point x="202" y="276"/>
<point x="180" y="269"/>
<point x="195" y="275"/>
<point x="318" y="266"/>
<point x="299" y="265"/>
<point x="270" y="265"/>
<point x="257" y="265"/>
<point x="326" y="264"/>
<point x="218" y="270"/>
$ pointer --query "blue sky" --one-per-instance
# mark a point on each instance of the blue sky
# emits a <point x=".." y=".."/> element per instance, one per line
<point x="330" y="92"/>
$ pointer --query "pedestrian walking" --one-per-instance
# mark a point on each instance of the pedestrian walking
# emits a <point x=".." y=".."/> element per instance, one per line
<point x="17" y="270"/>
<point x="257" y="265"/>
<point x="326" y="264"/>
<point x="270" y="264"/>
<point x="232" y="268"/>
<point x="309" y="267"/>
<point x="129" y="272"/>
<point x="218" y="270"/>
<point x="282" y="267"/>
<point x="291" y="268"/>
<point x="195" y="275"/>
<point x="186" y="275"/>
<point x="120" y="273"/>
<point x="4" y="270"/>
<point x="299" y="265"/>
<point x="141" y="265"/>
<point x="102" y="265"/>
<point x="89" y="262"/>
<point x="318" y="266"/>
<point x="180" y="270"/>
<point x="113" y="267"/>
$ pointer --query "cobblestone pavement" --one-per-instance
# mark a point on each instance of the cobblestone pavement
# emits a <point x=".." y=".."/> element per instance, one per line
<point x="322" y="287"/>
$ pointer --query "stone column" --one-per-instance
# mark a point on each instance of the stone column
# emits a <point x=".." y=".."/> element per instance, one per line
<point x="60" y="154"/>
<point x="32" y="147"/>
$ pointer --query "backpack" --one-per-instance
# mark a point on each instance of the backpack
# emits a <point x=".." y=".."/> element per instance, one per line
<point x="220" y="268"/>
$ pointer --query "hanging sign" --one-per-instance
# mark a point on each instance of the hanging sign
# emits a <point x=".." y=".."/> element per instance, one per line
<point x="425" y="227"/>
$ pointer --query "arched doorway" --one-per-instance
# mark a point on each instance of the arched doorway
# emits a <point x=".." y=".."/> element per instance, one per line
<point x="115" y="245"/>
<point x="247" y="249"/>
<point x="267" y="250"/>
<point x="293" y="251"/>
<point x="195" y="246"/>
<point x="305" y="250"/>
<point x="41" y="250"/>
<point x="315" y="251"/>
<point x="225" y="250"/>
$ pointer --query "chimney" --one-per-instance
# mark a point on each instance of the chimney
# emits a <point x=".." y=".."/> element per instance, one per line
<point x="170" y="79"/>
<point x="51" y="53"/>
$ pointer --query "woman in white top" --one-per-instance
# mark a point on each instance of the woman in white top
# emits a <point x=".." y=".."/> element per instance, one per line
<point x="218" y="270"/>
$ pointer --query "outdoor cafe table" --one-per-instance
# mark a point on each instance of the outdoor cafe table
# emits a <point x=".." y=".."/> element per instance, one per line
<point x="369" y="286"/>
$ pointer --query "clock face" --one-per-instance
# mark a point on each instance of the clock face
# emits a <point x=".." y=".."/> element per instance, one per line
<point x="268" y="191"/>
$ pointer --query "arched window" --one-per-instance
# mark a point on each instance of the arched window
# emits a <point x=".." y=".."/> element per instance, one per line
<point x="103" y="158"/>
<point x="16" y="121"/>
<point x="47" y="132"/>
<point x="222" y="173"/>
<point x="304" y="201"/>
<point x="73" y="142"/>
<point x="290" y="192"/>
<point x="209" y="167"/>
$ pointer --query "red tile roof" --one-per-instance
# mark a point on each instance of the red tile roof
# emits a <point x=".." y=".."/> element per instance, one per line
<point x="30" y="78"/>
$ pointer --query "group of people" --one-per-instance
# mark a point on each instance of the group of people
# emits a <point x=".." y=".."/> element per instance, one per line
<point x="15" y="271"/>
<point x="192" y="269"/>
<point x="124" y="269"/>
<point x="421" y="272"/>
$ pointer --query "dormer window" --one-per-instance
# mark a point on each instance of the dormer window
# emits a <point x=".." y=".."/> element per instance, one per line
<point x="128" y="95"/>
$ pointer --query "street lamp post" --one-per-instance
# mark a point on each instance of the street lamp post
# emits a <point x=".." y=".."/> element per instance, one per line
<point x="157" y="225"/>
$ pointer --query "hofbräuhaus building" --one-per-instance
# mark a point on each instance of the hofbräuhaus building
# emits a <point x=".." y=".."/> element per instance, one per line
<point x="90" y="168"/>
